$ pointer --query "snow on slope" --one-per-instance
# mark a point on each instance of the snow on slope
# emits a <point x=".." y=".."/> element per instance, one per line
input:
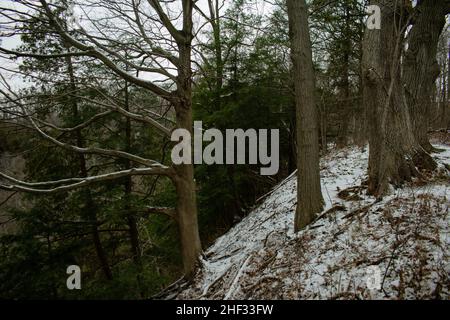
<point x="400" y="244"/>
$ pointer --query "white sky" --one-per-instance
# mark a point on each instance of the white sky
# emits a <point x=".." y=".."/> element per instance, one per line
<point x="13" y="42"/>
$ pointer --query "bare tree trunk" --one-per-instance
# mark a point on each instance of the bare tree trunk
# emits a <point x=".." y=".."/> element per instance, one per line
<point x="323" y="127"/>
<point x="187" y="204"/>
<point x="442" y="97"/>
<point x="420" y="66"/>
<point x="168" y="34"/>
<point x="90" y="205"/>
<point x="360" y="135"/>
<point x="345" y="105"/>
<point x="133" y="230"/>
<point x="215" y="22"/>
<point x="309" y="194"/>
<point x="184" y="179"/>
<point x="187" y="217"/>
<point x="447" y="102"/>
<point x="128" y="186"/>
<point x="394" y="151"/>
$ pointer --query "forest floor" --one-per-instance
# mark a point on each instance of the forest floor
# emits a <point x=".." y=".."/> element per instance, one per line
<point x="358" y="248"/>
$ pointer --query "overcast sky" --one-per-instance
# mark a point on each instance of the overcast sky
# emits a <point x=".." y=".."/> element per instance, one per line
<point x="13" y="42"/>
<point x="261" y="6"/>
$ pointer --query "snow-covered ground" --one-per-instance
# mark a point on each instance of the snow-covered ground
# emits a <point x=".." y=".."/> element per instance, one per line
<point x="397" y="248"/>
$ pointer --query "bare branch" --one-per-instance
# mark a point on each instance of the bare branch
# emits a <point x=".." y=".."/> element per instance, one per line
<point x="21" y="186"/>
<point x="176" y="34"/>
<point x="93" y="52"/>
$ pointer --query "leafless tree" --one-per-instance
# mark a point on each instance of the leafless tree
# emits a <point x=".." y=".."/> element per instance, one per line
<point x="309" y="194"/>
<point x="395" y="154"/>
<point x="420" y="66"/>
<point x="147" y="44"/>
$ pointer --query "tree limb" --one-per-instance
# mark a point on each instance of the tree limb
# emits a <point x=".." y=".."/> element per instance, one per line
<point x="21" y="186"/>
<point x="93" y="52"/>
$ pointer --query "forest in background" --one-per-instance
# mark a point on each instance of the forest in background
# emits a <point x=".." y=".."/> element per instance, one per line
<point x="91" y="109"/>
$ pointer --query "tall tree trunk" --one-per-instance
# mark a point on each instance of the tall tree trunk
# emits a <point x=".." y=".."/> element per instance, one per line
<point x="309" y="194"/>
<point x="90" y="204"/>
<point x="184" y="177"/>
<point x="187" y="203"/>
<point x="420" y="66"/>
<point x="128" y="190"/>
<point x="345" y="105"/>
<point x="394" y="151"/>
<point x="360" y="135"/>
<point x="215" y="21"/>
<point x="443" y="98"/>
<point x="447" y="102"/>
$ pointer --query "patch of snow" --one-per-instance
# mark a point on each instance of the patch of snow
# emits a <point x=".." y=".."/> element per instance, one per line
<point x="405" y="237"/>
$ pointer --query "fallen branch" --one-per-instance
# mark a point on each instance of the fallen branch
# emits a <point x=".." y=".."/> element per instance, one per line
<point x="364" y="209"/>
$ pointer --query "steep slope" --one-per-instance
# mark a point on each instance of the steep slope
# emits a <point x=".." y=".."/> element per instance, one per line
<point x="398" y="247"/>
